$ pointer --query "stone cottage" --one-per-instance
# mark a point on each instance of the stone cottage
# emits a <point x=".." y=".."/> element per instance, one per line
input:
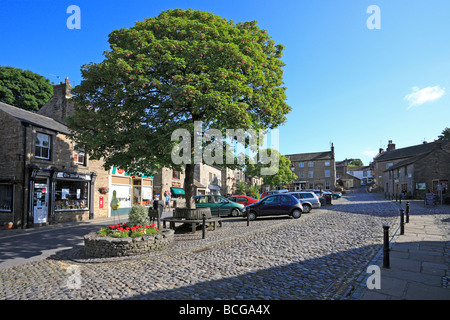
<point x="43" y="178"/>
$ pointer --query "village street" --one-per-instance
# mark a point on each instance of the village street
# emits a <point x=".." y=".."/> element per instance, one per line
<point x="319" y="256"/>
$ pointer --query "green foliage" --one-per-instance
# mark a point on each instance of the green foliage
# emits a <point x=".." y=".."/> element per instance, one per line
<point x="283" y="176"/>
<point x="445" y="134"/>
<point x="166" y="72"/>
<point x="355" y="163"/>
<point x="24" y="89"/>
<point x="138" y="216"/>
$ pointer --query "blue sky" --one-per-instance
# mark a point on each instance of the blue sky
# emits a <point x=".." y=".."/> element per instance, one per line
<point x="346" y="83"/>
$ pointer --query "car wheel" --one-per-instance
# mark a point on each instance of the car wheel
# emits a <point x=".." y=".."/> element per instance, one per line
<point x="306" y="208"/>
<point x="235" y="212"/>
<point x="251" y="215"/>
<point x="297" y="213"/>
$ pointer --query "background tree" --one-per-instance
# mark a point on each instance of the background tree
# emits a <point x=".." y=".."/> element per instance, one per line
<point x="24" y="89"/>
<point x="284" y="175"/>
<point x="355" y="163"/>
<point x="166" y="72"/>
<point x="445" y="135"/>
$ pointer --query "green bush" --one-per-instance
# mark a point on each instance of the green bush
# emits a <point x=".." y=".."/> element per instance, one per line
<point x="138" y="216"/>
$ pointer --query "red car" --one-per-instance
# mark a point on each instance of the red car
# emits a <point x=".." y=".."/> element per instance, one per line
<point x="243" y="200"/>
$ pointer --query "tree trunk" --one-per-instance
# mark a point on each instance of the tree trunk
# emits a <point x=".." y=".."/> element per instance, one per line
<point x="189" y="185"/>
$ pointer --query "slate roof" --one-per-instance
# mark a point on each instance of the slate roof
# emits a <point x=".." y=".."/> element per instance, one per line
<point x="34" y="118"/>
<point x="326" y="155"/>
<point x="406" y="152"/>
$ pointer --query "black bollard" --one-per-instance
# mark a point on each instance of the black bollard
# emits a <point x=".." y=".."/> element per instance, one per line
<point x="386" y="247"/>
<point x="248" y="219"/>
<point x="204" y="226"/>
<point x="407" y="211"/>
<point x="402" y="221"/>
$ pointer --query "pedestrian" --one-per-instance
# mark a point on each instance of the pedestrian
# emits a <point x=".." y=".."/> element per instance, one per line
<point x="168" y="200"/>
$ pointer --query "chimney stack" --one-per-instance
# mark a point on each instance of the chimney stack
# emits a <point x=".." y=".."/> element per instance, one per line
<point x="391" y="146"/>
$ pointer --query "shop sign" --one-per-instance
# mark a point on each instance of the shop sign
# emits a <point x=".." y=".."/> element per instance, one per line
<point x="73" y="175"/>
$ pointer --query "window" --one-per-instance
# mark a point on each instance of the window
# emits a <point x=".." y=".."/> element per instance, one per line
<point x="6" y="197"/>
<point x="310" y="164"/>
<point x="79" y="157"/>
<point x="42" y="146"/>
<point x="176" y="174"/>
<point x="271" y="200"/>
<point x="364" y="173"/>
<point x="327" y="173"/>
<point x="301" y="164"/>
<point x="327" y="185"/>
<point x="301" y="174"/>
<point x="285" y="199"/>
<point x="327" y="163"/>
<point x="311" y="174"/>
<point x="70" y="194"/>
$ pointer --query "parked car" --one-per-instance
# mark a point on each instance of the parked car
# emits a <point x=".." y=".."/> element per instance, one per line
<point x="218" y="205"/>
<point x="243" y="200"/>
<point x="336" y="194"/>
<point x="267" y="193"/>
<point x="276" y="204"/>
<point x="308" y="199"/>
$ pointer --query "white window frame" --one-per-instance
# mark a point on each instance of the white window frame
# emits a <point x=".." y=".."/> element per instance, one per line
<point x="42" y="146"/>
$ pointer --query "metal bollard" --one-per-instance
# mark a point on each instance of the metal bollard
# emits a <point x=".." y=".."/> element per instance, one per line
<point x="204" y="226"/>
<point x="386" y="247"/>
<point x="407" y="212"/>
<point x="248" y="219"/>
<point x="402" y="221"/>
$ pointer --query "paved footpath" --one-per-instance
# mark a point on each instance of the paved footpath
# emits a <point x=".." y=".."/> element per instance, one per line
<point x="419" y="264"/>
<point x="323" y="255"/>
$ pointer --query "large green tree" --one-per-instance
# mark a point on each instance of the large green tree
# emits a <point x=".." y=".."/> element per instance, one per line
<point x="284" y="175"/>
<point x="167" y="72"/>
<point x="24" y="88"/>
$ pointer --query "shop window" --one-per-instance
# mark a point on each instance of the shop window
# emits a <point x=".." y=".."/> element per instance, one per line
<point x="71" y="195"/>
<point x="42" y="146"/>
<point x="5" y="197"/>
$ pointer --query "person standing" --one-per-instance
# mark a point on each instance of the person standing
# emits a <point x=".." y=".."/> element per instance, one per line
<point x="168" y="200"/>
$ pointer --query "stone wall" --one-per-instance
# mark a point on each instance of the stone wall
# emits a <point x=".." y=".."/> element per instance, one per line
<point x="106" y="247"/>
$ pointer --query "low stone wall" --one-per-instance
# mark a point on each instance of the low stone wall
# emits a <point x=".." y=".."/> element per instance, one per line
<point x="106" y="247"/>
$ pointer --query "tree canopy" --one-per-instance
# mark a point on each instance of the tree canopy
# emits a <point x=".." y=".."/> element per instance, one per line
<point x="283" y="176"/>
<point x="24" y="88"/>
<point x="445" y="134"/>
<point x="166" y="73"/>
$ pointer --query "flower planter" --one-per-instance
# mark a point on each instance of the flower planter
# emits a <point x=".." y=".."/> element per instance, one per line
<point x="106" y="247"/>
<point x="7" y="226"/>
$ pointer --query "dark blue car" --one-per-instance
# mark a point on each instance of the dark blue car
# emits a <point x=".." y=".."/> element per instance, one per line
<point x="277" y="204"/>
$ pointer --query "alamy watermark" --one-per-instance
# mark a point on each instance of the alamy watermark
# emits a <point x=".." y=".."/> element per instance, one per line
<point x="74" y="20"/>
<point x="241" y="146"/>
<point x="374" y="20"/>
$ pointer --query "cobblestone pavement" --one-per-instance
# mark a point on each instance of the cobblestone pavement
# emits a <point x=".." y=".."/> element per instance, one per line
<point x="319" y="256"/>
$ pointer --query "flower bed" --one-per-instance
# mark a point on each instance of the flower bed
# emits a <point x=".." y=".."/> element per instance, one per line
<point x="121" y="240"/>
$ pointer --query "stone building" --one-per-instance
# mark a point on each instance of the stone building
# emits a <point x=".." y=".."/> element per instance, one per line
<point x="43" y="178"/>
<point x="314" y="170"/>
<point x="424" y="172"/>
<point x="230" y="178"/>
<point x="391" y="157"/>
<point x="167" y="179"/>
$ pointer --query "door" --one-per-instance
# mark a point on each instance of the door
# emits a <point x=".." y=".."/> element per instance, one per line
<point x="270" y="206"/>
<point x="40" y="201"/>
<point x="223" y="205"/>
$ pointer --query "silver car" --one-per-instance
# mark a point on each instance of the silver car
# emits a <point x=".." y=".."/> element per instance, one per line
<point x="308" y="199"/>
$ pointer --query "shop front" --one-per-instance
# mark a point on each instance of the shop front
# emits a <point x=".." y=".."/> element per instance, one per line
<point x="130" y="190"/>
<point x="60" y="196"/>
